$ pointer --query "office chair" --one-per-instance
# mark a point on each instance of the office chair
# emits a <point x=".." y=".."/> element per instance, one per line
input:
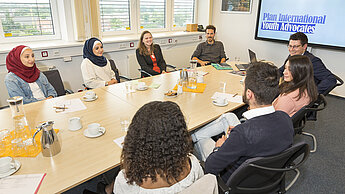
<point x="339" y="83"/>
<point x="55" y="80"/>
<point x="300" y="117"/>
<point x="146" y="74"/>
<point x="266" y="174"/>
<point x="117" y="74"/>
<point x="118" y="77"/>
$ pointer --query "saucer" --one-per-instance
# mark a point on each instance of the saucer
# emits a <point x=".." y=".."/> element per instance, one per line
<point x="89" y="99"/>
<point x="217" y="104"/>
<point x="143" y="88"/>
<point x="87" y="134"/>
<point x="75" y="129"/>
<point x="13" y="170"/>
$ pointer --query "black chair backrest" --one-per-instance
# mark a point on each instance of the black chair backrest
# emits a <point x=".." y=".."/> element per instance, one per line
<point x="299" y="119"/>
<point x="339" y="83"/>
<point x="267" y="174"/>
<point x="116" y="71"/>
<point x="55" y="80"/>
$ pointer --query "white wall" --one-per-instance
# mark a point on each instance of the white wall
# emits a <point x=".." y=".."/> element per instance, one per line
<point x="237" y="32"/>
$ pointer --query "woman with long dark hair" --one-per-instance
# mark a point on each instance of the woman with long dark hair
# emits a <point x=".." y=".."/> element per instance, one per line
<point x="298" y="88"/>
<point x="156" y="155"/>
<point x="149" y="55"/>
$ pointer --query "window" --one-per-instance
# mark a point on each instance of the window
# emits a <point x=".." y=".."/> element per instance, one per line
<point x="115" y="15"/>
<point x="132" y="16"/>
<point x="21" y="18"/>
<point x="152" y="14"/>
<point x="183" y="12"/>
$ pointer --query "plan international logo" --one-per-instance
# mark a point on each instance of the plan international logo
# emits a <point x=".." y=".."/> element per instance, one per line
<point x="291" y="23"/>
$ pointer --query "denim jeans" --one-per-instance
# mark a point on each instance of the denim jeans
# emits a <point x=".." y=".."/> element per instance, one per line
<point x="204" y="144"/>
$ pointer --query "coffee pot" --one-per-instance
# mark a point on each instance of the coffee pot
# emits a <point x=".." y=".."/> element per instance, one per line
<point x="49" y="140"/>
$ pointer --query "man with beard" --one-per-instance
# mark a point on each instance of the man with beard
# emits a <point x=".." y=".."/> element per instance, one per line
<point x="265" y="132"/>
<point x="210" y="51"/>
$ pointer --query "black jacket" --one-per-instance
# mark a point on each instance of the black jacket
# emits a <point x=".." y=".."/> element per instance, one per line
<point x="146" y="63"/>
<point x="260" y="136"/>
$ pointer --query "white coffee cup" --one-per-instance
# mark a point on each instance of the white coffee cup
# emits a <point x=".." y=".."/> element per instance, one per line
<point x="90" y="95"/>
<point x="74" y="123"/>
<point x="220" y="100"/>
<point x="200" y="79"/>
<point x="141" y="85"/>
<point x="94" y="128"/>
<point x="6" y="164"/>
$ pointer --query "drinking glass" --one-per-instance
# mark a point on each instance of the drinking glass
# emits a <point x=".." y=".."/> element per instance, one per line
<point x="222" y="86"/>
<point x="124" y="122"/>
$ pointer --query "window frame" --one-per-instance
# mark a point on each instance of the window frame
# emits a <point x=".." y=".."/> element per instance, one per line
<point x="132" y="22"/>
<point x="172" y="16"/>
<point x="135" y="20"/>
<point x="56" y="27"/>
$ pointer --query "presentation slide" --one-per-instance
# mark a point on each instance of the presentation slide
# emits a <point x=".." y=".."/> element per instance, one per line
<point x="323" y="21"/>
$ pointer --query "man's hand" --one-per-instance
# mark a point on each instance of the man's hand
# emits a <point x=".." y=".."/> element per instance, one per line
<point x="203" y="63"/>
<point x="163" y="72"/>
<point x="112" y="81"/>
<point x="220" y="141"/>
<point x="229" y="130"/>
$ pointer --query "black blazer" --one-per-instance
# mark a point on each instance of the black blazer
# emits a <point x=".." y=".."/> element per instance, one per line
<point x="146" y="63"/>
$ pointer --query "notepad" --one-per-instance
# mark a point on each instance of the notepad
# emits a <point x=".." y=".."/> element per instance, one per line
<point x="19" y="184"/>
<point x="219" y="67"/>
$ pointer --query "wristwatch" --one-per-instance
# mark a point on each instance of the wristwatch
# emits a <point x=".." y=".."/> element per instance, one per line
<point x="106" y="83"/>
<point x="216" y="149"/>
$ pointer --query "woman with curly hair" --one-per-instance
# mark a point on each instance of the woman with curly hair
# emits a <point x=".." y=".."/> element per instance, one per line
<point x="156" y="155"/>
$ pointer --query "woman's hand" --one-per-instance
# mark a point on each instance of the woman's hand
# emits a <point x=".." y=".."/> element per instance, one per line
<point x="112" y="81"/>
<point x="49" y="97"/>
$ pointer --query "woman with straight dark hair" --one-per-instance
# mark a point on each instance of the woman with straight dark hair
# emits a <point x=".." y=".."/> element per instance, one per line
<point x="298" y="88"/>
<point x="149" y="55"/>
<point x="156" y="155"/>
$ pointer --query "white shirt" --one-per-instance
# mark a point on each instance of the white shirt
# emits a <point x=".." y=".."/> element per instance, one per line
<point x="95" y="76"/>
<point x="36" y="91"/>
<point x="258" y="112"/>
<point x="196" y="172"/>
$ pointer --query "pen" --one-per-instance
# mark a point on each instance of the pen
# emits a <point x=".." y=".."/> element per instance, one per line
<point x="235" y="95"/>
<point x="57" y="107"/>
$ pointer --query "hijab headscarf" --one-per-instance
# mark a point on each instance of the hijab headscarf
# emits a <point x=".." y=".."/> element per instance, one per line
<point x="15" y="65"/>
<point x="88" y="53"/>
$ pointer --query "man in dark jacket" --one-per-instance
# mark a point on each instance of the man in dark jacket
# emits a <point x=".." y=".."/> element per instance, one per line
<point x="265" y="132"/>
<point x="324" y="79"/>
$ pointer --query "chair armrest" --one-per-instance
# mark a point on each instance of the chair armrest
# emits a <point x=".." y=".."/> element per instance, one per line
<point x="143" y="71"/>
<point x="321" y="101"/>
<point x="171" y="66"/>
<point x="223" y="188"/>
<point x="125" y="78"/>
<point x="68" y="91"/>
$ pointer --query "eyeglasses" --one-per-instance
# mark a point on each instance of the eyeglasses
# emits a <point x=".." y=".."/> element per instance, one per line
<point x="293" y="46"/>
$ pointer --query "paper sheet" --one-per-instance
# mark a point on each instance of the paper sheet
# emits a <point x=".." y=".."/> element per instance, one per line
<point x="119" y="141"/>
<point x="155" y="85"/>
<point x="229" y="97"/>
<point x="21" y="184"/>
<point x="202" y="73"/>
<point x="72" y="105"/>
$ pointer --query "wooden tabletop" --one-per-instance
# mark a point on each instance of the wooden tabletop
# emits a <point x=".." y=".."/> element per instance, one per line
<point x="83" y="158"/>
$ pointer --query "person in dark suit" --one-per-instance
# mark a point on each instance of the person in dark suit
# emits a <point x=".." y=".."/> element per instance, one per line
<point x="323" y="77"/>
<point x="149" y="55"/>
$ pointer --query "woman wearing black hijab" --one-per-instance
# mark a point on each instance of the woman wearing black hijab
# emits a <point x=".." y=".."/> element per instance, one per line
<point x="95" y="68"/>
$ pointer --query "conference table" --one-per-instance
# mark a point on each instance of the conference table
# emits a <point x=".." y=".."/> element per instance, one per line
<point x="83" y="158"/>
